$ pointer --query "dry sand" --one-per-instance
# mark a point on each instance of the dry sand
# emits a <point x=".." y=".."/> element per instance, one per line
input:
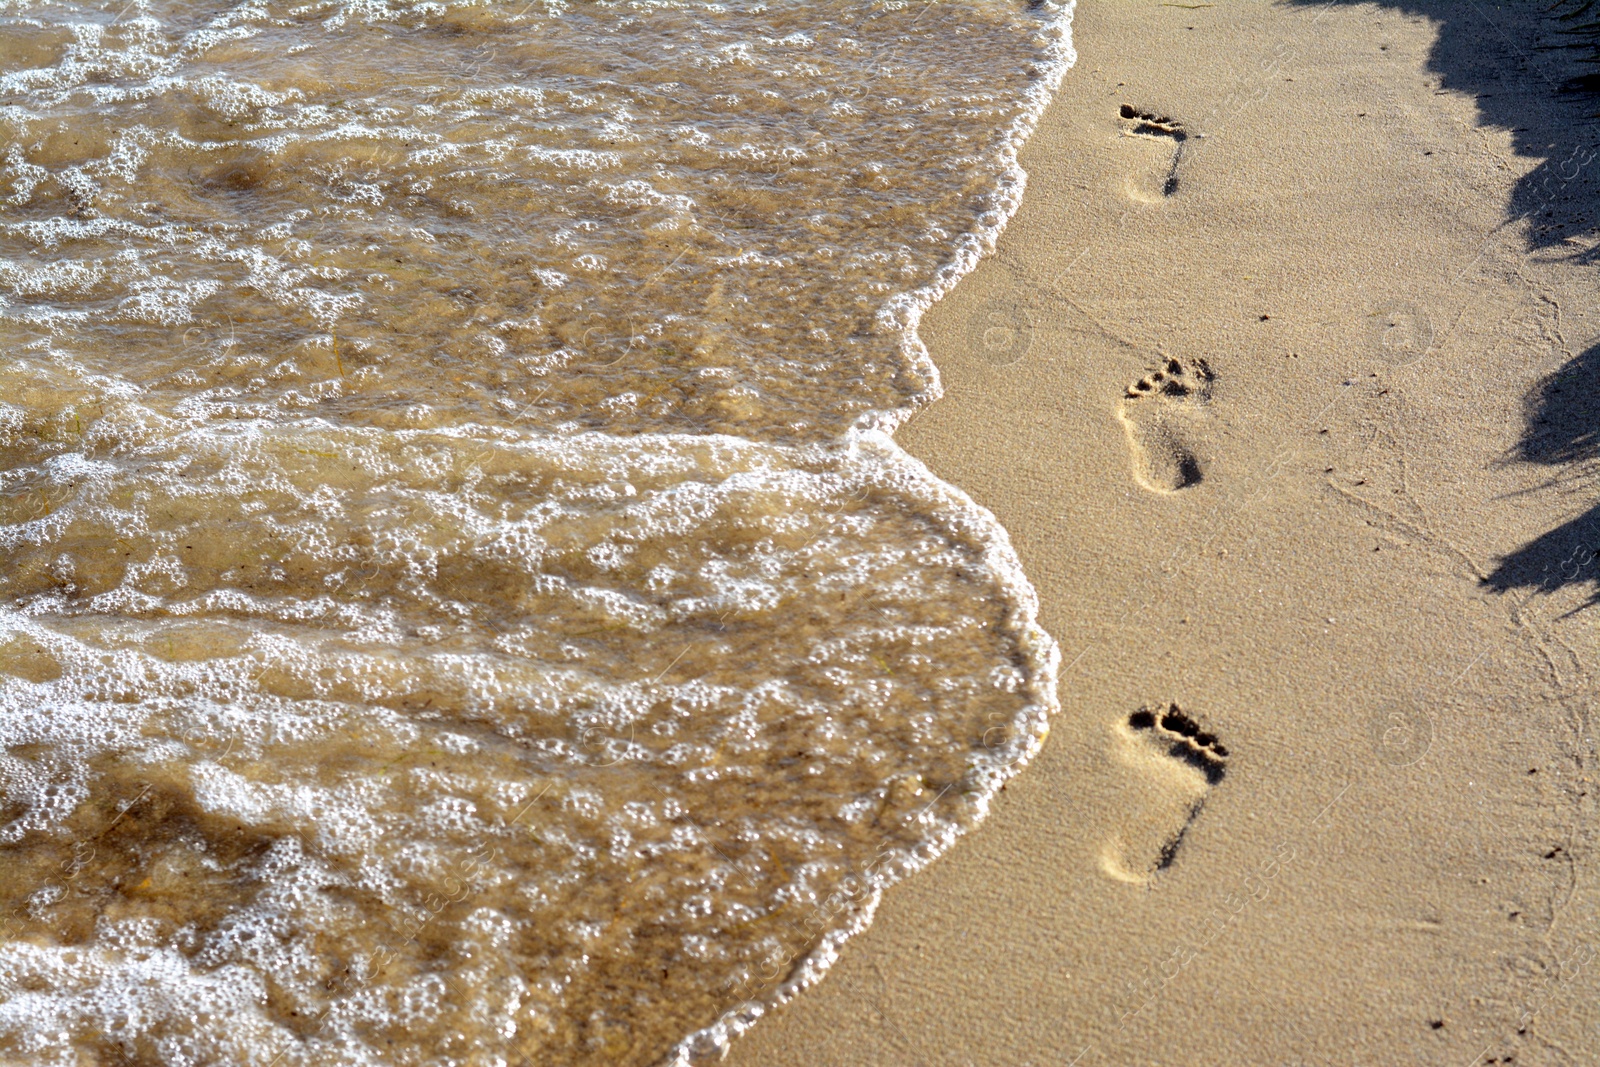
<point x="1371" y="274"/>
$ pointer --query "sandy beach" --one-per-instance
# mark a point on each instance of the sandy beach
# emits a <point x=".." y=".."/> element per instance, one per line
<point x="1281" y="380"/>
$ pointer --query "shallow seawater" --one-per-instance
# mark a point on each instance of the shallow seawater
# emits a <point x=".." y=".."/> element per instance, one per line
<point x="459" y="600"/>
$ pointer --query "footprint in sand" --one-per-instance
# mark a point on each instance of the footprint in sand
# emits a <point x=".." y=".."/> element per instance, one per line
<point x="1159" y="142"/>
<point x="1161" y="414"/>
<point x="1178" y="763"/>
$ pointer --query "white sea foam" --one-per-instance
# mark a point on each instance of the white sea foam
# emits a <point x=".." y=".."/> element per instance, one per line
<point x="460" y="597"/>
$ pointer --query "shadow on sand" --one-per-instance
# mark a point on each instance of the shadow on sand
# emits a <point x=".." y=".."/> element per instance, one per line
<point x="1562" y="431"/>
<point x="1532" y="76"/>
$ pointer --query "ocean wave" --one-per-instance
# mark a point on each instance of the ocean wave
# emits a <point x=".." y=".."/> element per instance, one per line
<point x="460" y="598"/>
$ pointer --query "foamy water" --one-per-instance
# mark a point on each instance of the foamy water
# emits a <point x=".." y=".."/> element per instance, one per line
<point x="459" y="600"/>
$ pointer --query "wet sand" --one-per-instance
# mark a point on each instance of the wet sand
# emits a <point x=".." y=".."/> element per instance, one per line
<point x="1322" y="786"/>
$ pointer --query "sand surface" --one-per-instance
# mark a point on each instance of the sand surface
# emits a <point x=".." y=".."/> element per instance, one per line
<point x="1354" y="544"/>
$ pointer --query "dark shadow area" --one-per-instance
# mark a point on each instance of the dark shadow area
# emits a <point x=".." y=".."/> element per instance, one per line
<point x="1562" y="430"/>
<point x="1533" y="69"/>
<point x="1564" y="556"/>
<point x="1563" y="415"/>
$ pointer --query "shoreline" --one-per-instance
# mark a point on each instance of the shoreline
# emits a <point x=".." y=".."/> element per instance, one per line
<point x="1288" y="559"/>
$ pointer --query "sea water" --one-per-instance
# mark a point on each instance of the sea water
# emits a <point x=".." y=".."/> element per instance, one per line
<point x="460" y="602"/>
